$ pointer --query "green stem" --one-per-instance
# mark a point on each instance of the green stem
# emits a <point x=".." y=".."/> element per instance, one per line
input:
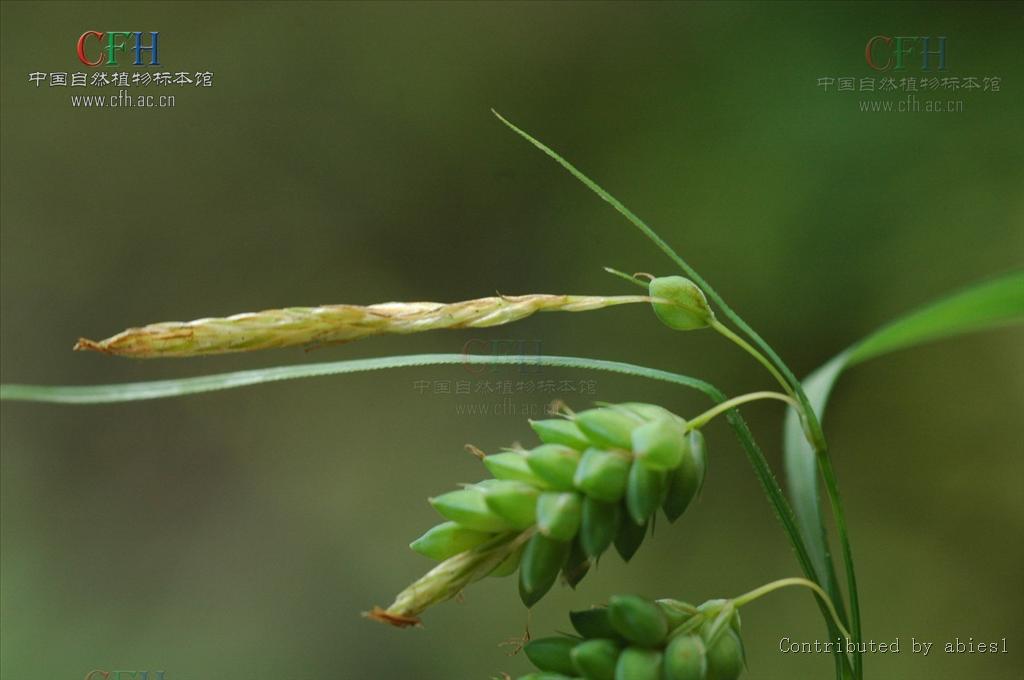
<point x="702" y="419"/>
<point x="746" y="347"/>
<point x="832" y="487"/>
<point x="756" y="593"/>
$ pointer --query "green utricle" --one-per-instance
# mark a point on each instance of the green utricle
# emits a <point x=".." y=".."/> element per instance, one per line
<point x="596" y="659"/>
<point x="637" y="663"/>
<point x="447" y="539"/>
<point x="468" y="508"/>
<point x="514" y="502"/>
<point x="638" y="620"/>
<point x="559" y="514"/>
<point x="555" y="464"/>
<point x="603" y="474"/>
<point x="552" y="654"/>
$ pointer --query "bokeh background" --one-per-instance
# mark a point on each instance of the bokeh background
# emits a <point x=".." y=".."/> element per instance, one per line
<point x="346" y="153"/>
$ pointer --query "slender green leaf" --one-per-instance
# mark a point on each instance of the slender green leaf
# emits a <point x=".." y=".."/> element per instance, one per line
<point x="993" y="303"/>
<point x="105" y="394"/>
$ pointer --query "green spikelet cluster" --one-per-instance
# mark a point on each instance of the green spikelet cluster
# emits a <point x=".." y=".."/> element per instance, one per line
<point x="636" y="639"/>
<point x="596" y="479"/>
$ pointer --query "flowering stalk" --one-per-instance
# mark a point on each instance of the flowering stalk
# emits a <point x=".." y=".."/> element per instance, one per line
<point x="329" y="324"/>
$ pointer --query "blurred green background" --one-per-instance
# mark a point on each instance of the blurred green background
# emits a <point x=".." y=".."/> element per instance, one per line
<point x="346" y="153"/>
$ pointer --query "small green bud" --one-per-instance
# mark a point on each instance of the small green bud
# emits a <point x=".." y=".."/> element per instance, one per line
<point x="687" y="308"/>
<point x="725" y="654"/>
<point x="638" y="664"/>
<point x="596" y="659"/>
<point x="542" y="560"/>
<point x="602" y="474"/>
<point x="660" y="443"/>
<point x="593" y="623"/>
<point x="552" y="654"/>
<point x="607" y="427"/>
<point x="638" y="620"/>
<point x="685" y="482"/>
<point x="560" y="431"/>
<point x="676" y="611"/>
<point x="515" y="502"/>
<point x="512" y="466"/>
<point x="629" y="538"/>
<point x="448" y="539"/>
<point x="686" y="658"/>
<point x="559" y="514"/>
<point x="577" y="566"/>
<point x="555" y="464"/>
<point x="645" y="489"/>
<point x="468" y="508"/>
<point x="600" y="525"/>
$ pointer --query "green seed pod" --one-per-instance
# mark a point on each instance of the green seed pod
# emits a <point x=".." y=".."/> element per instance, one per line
<point x="596" y="659"/>
<point x="645" y="489"/>
<point x="638" y="664"/>
<point x="600" y="525"/>
<point x="552" y="654"/>
<point x="608" y="427"/>
<point x="593" y="623"/>
<point x="676" y="611"/>
<point x="629" y="538"/>
<point x="448" y="539"/>
<point x="603" y="474"/>
<point x="577" y="566"/>
<point x="555" y="464"/>
<point x="725" y="654"/>
<point x="513" y="466"/>
<point x="687" y="308"/>
<point x="515" y="502"/>
<point x="468" y="508"/>
<point x="660" y="443"/>
<point x="542" y="560"/>
<point x="685" y="481"/>
<point x="686" y="658"/>
<point x="638" y="620"/>
<point x="559" y="514"/>
<point x="559" y="431"/>
<point x="509" y="565"/>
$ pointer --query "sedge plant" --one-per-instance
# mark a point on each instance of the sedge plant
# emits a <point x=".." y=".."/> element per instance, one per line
<point x="597" y="477"/>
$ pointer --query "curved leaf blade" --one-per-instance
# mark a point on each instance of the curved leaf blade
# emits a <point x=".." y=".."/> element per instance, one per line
<point x="986" y="305"/>
<point x="158" y="389"/>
